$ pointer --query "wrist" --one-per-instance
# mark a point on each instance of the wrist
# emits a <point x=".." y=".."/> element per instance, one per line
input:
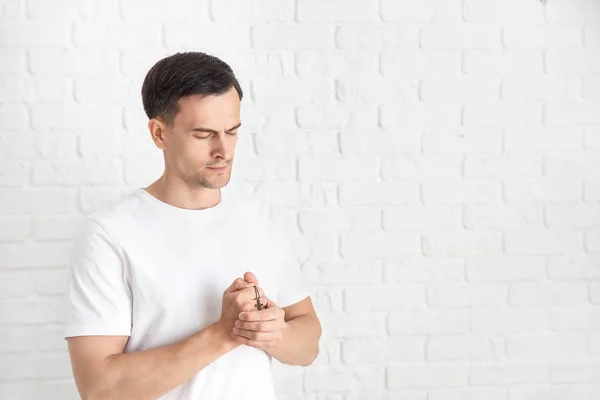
<point x="223" y="335"/>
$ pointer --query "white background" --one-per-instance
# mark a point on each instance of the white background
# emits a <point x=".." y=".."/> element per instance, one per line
<point x="438" y="163"/>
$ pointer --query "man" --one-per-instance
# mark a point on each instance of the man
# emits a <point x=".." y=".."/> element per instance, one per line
<point x="164" y="293"/>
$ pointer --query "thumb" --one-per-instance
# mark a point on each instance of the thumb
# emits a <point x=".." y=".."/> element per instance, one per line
<point x="250" y="278"/>
<point x="238" y="284"/>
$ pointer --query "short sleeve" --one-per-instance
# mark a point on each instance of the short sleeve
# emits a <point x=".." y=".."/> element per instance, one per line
<point x="291" y="284"/>
<point x="99" y="298"/>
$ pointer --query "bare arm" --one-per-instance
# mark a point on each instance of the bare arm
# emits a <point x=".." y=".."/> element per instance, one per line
<point x="103" y="372"/>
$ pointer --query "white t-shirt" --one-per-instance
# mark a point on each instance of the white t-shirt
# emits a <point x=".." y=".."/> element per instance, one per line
<point x="156" y="273"/>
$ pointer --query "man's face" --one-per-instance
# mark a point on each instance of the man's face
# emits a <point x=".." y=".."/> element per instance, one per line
<point x="204" y="135"/>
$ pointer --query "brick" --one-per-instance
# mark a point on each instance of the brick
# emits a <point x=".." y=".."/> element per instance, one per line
<point x="336" y="10"/>
<point x="92" y="9"/>
<point x="380" y="245"/>
<point x="342" y="325"/>
<point x="420" y="63"/>
<point x="570" y="12"/>
<point x="428" y="322"/>
<point x="544" y="190"/>
<point x="15" y="340"/>
<point x="570" y="372"/>
<point x="336" y="117"/>
<point x="546" y="138"/>
<point x="298" y="91"/>
<point x="264" y="169"/>
<point x="209" y="37"/>
<point x="341" y="63"/>
<point x="426" y="375"/>
<point x="34" y="312"/>
<point x="378" y="142"/>
<point x="462" y="244"/>
<point x="425" y="11"/>
<point x="11" y="9"/>
<point x="34" y="255"/>
<point x="459" y="191"/>
<point x="502" y="114"/>
<point x="541" y="37"/>
<point x="269" y="118"/>
<point x="417" y="166"/>
<point x="575" y="319"/>
<point x="540" y="88"/>
<point x="503" y="62"/>
<point x="353" y="379"/>
<point x="27" y="201"/>
<point x="343" y="221"/>
<point x="508" y="373"/>
<point x="16" y="285"/>
<point x="15" y="229"/>
<point x="591" y="88"/>
<point x="591" y="36"/>
<point x="136" y="63"/>
<point x="424" y="269"/>
<point x="379" y="351"/>
<point x="505" y="269"/>
<point x="552" y="346"/>
<point x="253" y="11"/>
<point x="58" y="10"/>
<point x="460" y="36"/>
<point x="380" y="37"/>
<point x="298" y="195"/>
<point x="328" y="300"/>
<point x="471" y="393"/>
<point x="13" y="173"/>
<point x="46" y="89"/>
<point x="379" y="194"/>
<point x="52" y="282"/>
<point x="13" y="116"/>
<point x="505" y="321"/>
<point x="92" y="199"/>
<point x="296" y="143"/>
<point x="503" y="11"/>
<point x="35" y="34"/>
<point x="345" y="272"/>
<point x="76" y="117"/>
<point x="464" y="348"/>
<point x="593" y="343"/>
<point x="553" y="392"/>
<point x="503" y="217"/>
<point x="376" y="90"/>
<point x="20" y="146"/>
<point x="547" y="294"/>
<point x="467" y="294"/>
<point x="384" y="297"/>
<point x="337" y="169"/>
<point x="118" y="35"/>
<point x="580" y="113"/>
<point x="591" y="191"/>
<point x="542" y="242"/>
<point x="68" y="62"/>
<point x="11" y="88"/>
<point x="177" y="10"/>
<point x="54" y="228"/>
<point x="586" y="215"/>
<point x="422" y="218"/>
<point x="574" y="267"/>
<point x="503" y="165"/>
<point x="594" y="293"/>
<point x="592" y="241"/>
<point x="466" y="89"/>
<point x="12" y="60"/>
<point x="465" y="140"/>
<point x="581" y="61"/>
<point x="69" y="173"/>
<point x="297" y="37"/>
<point x="421" y="116"/>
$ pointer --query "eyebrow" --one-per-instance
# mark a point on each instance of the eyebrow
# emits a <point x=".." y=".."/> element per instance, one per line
<point x="200" y="129"/>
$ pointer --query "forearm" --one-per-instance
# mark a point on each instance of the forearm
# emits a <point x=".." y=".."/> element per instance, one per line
<point x="149" y="374"/>
<point x="299" y="344"/>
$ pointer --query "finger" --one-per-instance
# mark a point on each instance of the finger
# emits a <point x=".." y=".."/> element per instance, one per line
<point x="260" y="315"/>
<point x="238" y="284"/>
<point x="248" y="295"/>
<point x="252" y="343"/>
<point x="256" y="336"/>
<point x="251" y="278"/>
<point x="260" y="326"/>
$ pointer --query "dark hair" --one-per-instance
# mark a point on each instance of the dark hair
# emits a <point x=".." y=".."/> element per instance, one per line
<point x="184" y="74"/>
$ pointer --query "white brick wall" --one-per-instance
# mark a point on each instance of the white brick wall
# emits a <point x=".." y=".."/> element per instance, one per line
<point x="437" y="161"/>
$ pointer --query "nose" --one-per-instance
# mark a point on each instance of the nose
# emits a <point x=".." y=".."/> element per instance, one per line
<point x="221" y="147"/>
